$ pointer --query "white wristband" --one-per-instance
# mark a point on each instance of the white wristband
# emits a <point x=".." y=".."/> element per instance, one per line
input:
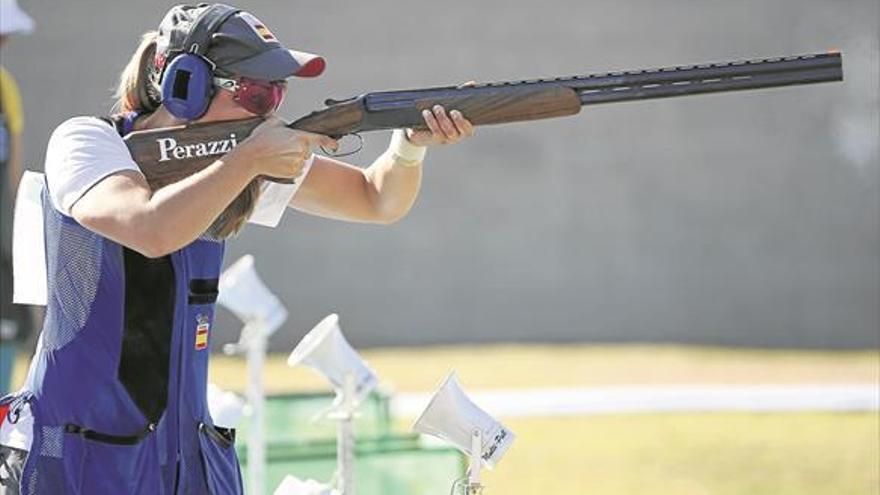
<point x="409" y="154"/>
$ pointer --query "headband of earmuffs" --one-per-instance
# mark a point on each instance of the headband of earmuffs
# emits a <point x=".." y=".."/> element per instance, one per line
<point x="188" y="78"/>
<point x="198" y="38"/>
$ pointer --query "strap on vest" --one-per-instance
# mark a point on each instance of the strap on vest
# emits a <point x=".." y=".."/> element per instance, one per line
<point x="116" y="122"/>
<point x="123" y="122"/>
<point x="89" y="434"/>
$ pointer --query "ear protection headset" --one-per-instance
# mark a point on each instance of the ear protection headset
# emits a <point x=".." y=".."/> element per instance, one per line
<point x="187" y="82"/>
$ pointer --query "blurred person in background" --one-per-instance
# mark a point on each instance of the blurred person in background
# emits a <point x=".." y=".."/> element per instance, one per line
<point x="15" y="320"/>
<point x="115" y="399"/>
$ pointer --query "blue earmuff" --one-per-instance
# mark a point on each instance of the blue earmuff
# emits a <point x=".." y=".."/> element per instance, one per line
<point x="187" y="86"/>
<point x="187" y="82"/>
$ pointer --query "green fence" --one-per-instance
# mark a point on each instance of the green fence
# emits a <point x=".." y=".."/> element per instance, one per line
<point x="386" y="462"/>
<point x="297" y="418"/>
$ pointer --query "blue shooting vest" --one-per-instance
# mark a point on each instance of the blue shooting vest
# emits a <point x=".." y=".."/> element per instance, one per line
<point x="118" y="385"/>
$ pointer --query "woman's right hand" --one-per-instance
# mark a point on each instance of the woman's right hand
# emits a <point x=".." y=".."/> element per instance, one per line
<point x="275" y="150"/>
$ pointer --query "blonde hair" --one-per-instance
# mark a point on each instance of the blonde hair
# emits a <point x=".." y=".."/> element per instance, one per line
<point x="137" y="92"/>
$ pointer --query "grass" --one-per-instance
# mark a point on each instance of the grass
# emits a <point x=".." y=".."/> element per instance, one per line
<point x="689" y="454"/>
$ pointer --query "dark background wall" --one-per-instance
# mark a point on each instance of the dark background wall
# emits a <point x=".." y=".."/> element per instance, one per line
<point x="739" y="219"/>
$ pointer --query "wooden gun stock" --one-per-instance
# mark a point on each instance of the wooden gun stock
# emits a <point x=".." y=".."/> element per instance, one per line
<point x="169" y="154"/>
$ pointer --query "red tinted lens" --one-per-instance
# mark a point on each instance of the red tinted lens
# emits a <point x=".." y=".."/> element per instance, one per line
<point x="259" y="97"/>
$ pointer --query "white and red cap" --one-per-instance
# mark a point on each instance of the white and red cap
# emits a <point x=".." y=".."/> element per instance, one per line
<point x="241" y="45"/>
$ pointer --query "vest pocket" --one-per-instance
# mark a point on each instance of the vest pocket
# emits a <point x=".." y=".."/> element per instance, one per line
<point x="222" y="470"/>
<point x="203" y="291"/>
<point x="97" y="436"/>
<point x="117" y="463"/>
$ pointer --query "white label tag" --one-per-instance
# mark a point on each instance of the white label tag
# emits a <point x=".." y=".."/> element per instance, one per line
<point x="28" y="243"/>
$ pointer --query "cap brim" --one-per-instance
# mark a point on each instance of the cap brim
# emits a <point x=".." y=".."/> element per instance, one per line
<point x="277" y="64"/>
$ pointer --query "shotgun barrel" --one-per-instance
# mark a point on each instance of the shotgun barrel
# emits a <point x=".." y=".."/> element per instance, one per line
<point x="512" y="101"/>
<point x="708" y="78"/>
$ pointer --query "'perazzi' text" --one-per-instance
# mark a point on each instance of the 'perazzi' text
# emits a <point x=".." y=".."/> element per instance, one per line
<point x="169" y="149"/>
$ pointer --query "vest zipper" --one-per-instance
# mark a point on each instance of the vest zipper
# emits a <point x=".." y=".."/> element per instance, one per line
<point x="181" y="299"/>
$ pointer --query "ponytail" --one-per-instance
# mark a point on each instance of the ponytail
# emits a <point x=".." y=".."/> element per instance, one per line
<point x="135" y="91"/>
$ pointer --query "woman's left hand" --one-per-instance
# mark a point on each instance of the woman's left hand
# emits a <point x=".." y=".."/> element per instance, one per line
<point x="443" y="128"/>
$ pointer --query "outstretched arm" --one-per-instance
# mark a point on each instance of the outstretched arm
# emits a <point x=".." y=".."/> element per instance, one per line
<point x="385" y="191"/>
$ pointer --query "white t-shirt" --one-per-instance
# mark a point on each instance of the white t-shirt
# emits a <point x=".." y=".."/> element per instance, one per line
<point x="84" y="150"/>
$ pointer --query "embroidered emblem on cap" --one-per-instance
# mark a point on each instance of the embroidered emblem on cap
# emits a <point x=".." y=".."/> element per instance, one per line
<point x="258" y="27"/>
<point x="202" y="328"/>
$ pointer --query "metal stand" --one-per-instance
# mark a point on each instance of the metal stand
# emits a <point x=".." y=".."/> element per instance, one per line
<point x="253" y="342"/>
<point x="474" y="487"/>
<point x="256" y="356"/>
<point x="345" y="442"/>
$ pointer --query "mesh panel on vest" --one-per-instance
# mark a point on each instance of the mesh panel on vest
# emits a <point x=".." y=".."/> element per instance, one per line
<point x="74" y="269"/>
<point x="53" y="442"/>
<point x="32" y="482"/>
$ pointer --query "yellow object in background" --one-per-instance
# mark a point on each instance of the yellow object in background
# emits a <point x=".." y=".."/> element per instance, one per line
<point x="10" y="102"/>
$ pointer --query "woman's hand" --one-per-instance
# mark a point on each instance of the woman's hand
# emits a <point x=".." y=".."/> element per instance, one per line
<point x="443" y="128"/>
<point x="275" y="150"/>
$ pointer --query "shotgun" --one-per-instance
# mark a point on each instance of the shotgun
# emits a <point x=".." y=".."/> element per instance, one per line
<point x="169" y="154"/>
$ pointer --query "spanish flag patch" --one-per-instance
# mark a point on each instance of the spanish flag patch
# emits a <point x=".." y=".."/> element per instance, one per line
<point x="258" y="27"/>
<point x="202" y="329"/>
